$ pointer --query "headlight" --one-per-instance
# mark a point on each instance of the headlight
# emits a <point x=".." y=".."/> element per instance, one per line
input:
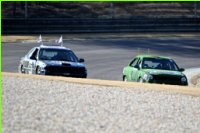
<point x="43" y="65"/>
<point x="147" y="77"/>
<point x="42" y="69"/>
<point x="183" y="79"/>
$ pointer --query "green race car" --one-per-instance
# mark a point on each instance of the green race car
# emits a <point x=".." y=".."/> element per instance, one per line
<point x="154" y="69"/>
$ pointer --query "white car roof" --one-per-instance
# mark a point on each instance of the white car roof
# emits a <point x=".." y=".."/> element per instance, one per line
<point x="54" y="47"/>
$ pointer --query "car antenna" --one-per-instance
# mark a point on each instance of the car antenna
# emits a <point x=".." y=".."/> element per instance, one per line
<point x="40" y="40"/>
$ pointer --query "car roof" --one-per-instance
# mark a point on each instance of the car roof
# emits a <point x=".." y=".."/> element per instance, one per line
<point x="152" y="56"/>
<point x="53" y="47"/>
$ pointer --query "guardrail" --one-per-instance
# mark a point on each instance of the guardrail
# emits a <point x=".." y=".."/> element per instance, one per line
<point x="18" y="26"/>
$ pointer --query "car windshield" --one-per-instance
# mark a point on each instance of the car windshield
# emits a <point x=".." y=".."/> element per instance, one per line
<point x="57" y="55"/>
<point x="159" y="63"/>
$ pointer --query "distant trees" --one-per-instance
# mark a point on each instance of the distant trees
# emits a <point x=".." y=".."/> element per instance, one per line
<point x="44" y="9"/>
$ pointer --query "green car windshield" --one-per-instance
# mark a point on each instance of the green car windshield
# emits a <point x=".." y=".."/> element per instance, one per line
<point x="159" y="63"/>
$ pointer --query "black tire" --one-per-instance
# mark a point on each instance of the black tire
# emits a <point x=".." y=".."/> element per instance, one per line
<point x="21" y="69"/>
<point x="140" y="80"/>
<point x="38" y="70"/>
<point x="125" y="79"/>
<point x="85" y="76"/>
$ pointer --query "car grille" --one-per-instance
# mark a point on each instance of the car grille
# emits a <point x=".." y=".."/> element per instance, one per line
<point x="167" y="79"/>
<point x="65" y="70"/>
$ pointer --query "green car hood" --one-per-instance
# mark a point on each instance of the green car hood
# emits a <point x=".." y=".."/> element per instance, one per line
<point x="162" y="72"/>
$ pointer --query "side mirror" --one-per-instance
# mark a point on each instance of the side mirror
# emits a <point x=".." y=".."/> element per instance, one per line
<point x="81" y="60"/>
<point x="137" y="66"/>
<point x="181" y="69"/>
<point x="33" y="58"/>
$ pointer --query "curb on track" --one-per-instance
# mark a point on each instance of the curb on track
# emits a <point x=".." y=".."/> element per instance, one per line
<point x="157" y="87"/>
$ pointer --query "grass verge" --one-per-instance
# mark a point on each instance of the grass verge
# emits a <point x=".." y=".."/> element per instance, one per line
<point x="18" y="38"/>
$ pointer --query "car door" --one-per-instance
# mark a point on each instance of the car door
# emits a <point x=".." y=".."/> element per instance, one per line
<point x="131" y="69"/>
<point x="26" y="58"/>
<point x="136" y="70"/>
<point x="30" y="61"/>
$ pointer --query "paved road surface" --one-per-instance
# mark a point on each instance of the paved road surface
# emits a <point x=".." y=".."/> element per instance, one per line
<point x="105" y="58"/>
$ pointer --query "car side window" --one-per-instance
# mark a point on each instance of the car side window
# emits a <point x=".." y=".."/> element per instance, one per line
<point x="30" y="52"/>
<point x="139" y="63"/>
<point x="134" y="62"/>
<point x="34" y="54"/>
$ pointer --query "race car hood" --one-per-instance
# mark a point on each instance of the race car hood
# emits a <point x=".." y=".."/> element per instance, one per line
<point x="162" y="72"/>
<point x="60" y="63"/>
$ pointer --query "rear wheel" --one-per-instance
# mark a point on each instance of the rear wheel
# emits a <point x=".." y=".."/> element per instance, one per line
<point x="21" y="69"/>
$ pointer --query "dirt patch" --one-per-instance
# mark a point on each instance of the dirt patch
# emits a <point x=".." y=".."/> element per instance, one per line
<point x="33" y="38"/>
<point x="17" y="38"/>
<point x="8" y="38"/>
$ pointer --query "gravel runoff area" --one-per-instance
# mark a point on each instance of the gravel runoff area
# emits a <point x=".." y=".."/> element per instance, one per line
<point x="38" y="105"/>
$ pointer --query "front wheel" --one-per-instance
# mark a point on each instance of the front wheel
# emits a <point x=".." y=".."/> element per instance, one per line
<point x="85" y="76"/>
<point x="21" y="69"/>
<point x="38" y="70"/>
<point x="140" y="80"/>
<point x="125" y="79"/>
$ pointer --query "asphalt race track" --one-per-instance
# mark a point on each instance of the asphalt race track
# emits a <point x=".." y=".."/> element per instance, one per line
<point x="105" y="58"/>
